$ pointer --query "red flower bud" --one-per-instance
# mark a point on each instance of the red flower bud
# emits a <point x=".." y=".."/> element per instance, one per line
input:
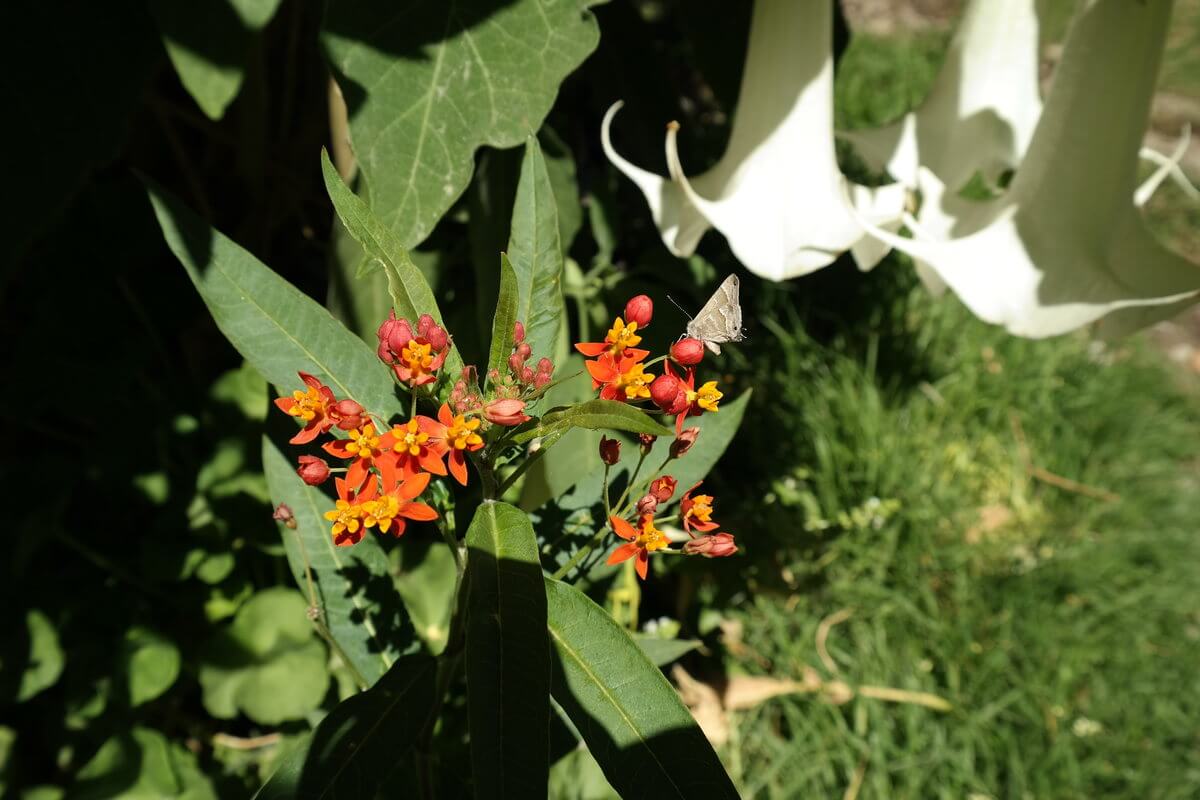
<point x="314" y="471"/>
<point x="647" y="505"/>
<point x="647" y="441"/>
<point x="545" y="365"/>
<point x="662" y="488"/>
<point x="688" y="351"/>
<point x="527" y="375"/>
<point x="715" y="546"/>
<point x="684" y="441"/>
<point x="399" y="335"/>
<point x="437" y="338"/>
<point x="506" y="412"/>
<point x="515" y="363"/>
<point x="664" y="390"/>
<point x="639" y="309"/>
<point x="424" y="323"/>
<point x="348" y="414"/>
<point x="541" y="380"/>
<point x="524" y="350"/>
<point x="518" y="333"/>
<point x="610" y="450"/>
<point x="283" y="513"/>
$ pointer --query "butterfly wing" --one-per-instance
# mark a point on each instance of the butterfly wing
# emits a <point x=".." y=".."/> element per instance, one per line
<point x="721" y="318"/>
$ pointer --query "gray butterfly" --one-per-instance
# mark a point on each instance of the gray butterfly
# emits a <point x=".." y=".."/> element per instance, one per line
<point x="721" y="318"/>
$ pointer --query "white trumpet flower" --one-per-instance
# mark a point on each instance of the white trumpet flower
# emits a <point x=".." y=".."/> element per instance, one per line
<point x="777" y="193"/>
<point x="1065" y="245"/>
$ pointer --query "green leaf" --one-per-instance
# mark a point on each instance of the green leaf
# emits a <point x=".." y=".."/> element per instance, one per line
<point x="597" y="415"/>
<point x="535" y="251"/>
<point x="508" y="655"/>
<point x="427" y="83"/>
<point x="268" y="663"/>
<point x="426" y="579"/>
<point x="357" y="746"/>
<point x="663" y="651"/>
<point x="505" y="318"/>
<point x="344" y="577"/>
<point x="142" y="765"/>
<point x="574" y="455"/>
<point x="46" y="662"/>
<point x="634" y="724"/>
<point x="275" y="326"/>
<point x="150" y="662"/>
<point x="208" y="44"/>
<point x="560" y="168"/>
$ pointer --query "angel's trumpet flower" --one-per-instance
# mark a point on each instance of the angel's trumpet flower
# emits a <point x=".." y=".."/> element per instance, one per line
<point x="776" y="194"/>
<point x="1065" y="245"/>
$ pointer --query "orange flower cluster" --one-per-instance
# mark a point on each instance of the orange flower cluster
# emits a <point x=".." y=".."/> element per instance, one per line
<point x="618" y="368"/>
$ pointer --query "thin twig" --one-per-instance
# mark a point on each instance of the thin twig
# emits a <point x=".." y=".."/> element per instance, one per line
<point x="1045" y="475"/>
<point x="823" y="629"/>
<point x="856" y="781"/>
<point x="250" y="743"/>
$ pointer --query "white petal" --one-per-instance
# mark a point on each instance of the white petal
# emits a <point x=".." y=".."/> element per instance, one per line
<point x="776" y="194"/>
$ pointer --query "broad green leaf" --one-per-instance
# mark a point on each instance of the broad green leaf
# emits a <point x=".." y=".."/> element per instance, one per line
<point x="597" y="415"/>
<point x="560" y="168"/>
<point x="508" y="656"/>
<point x="345" y="578"/>
<point x="141" y="764"/>
<point x="357" y="746"/>
<point x="150" y="662"/>
<point x="634" y="724"/>
<point x="663" y="651"/>
<point x="426" y="579"/>
<point x="575" y="453"/>
<point x="209" y="44"/>
<point x="536" y="253"/>
<point x="45" y="659"/>
<point x="268" y="663"/>
<point x="505" y="318"/>
<point x="577" y="776"/>
<point x="275" y="326"/>
<point x="429" y="82"/>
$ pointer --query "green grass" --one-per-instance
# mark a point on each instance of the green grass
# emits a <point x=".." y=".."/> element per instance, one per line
<point x="1032" y="609"/>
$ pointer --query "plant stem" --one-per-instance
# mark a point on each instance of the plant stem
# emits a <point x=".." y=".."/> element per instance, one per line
<point x="581" y="554"/>
<point x="628" y="486"/>
<point x="507" y="483"/>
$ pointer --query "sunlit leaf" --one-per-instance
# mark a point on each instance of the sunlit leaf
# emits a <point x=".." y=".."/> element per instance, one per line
<point x="508" y="656"/>
<point x="504" y="319"/>
<point x="150" y="663"/>
<point x="535" y="251"/>
<point x="427" y="83"/>
<point x="140" y="764"/>
<point x="45" y="660"/>
<point x="632" y="719"/>
<point x="597" y="415"/>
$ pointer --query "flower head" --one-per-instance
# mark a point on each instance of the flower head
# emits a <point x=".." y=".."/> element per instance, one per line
<point x="460" y="436"/>
<point x="414" y="447"/>
<point x="684" y="441"/>
<point x="625" y="379"/>
<point x="311" y="406"/>
<point x="716" y="546"/>
<point x="662" y="488"/>
<point x="388" y="511"/>
<point x="414" y="358"/>
<point x="639" y="311"/>
<point x="363" y="445"/>
<point x="620" y="342"/>
<point x="346" y="515"/>
<point x="697" y="511"/>
<point x="312" y="470"/>
<point x="506" y="411"/>
<point x="641" y="541"/>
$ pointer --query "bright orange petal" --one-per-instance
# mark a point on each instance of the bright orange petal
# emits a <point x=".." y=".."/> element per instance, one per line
<point x="591" y="349"/>
<point x="622" y="553"/>
<point x="284" y="403"/>
<point x="412" y="487"/>
<point x="444" y="415"/>
<point x="357" y="473"/>
<point x="431" y="426"/>
<point x="622" y="528"/>
<point x="337" y="449"/>
<point x="643" y="561"/>
<point x="306" y="435"/>
<point x="418" y="511"/>
<point x="431" y="462"/>
<point x="601" y="371"/>
<point x="458" y="466"/>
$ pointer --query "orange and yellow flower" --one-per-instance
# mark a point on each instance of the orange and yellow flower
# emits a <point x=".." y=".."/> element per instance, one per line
<point x="459" y="436"/>
<point x="641" y="541"/>
<point x="310" y="406"/>
<point x="388" y="511"/>
<point x="706" y="398"/>
<point x="697" y="511"/>
<point x="414" y="447"/>
<point x="625" y="380"/>
<point x="619" y="343"/>
<point x="346" y="515"/>
<point x="363" y="445"/>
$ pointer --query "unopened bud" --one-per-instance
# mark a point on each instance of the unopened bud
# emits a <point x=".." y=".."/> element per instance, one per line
<point x="506" y="412"/>
<point x="438" y="338"/>
<point x="527" y="375"/>
<point x="283" y="513"/>
<point x="524" y="350"/>
<point x="669" y="393"/>
<point x="639" y="309"/>
<point x="399" y="335"/>
<point x="516" y="364"/>
<point x="718" y="545"/>
<point x="348" y="414"/>
<point x="647" y="441"/>
<point x="688" y="351"/>
<point x="542" y="379"/>
<point x="545" y="365"/>
<point x="610" y="450"/>
<point x="518" y="333"/>
<point x="662" y="488"/>
<point x="647" y="505"/>
<point x="312" y="470"/>
<point x="425" y="323"/>
<point x="684" y="441"/>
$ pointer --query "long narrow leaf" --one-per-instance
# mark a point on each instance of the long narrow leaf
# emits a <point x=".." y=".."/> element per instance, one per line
<point x="355" y="749"/>
<point x="508" y="655"/>
<point x="535" y="250"/>
<point x="342" y="576"/>
<point x="628" y="714"/>
<point x="596" y="415"/>
<point x="275" y="326"/>
<point x="411" y="294"/>
<point x="506" y="316"/>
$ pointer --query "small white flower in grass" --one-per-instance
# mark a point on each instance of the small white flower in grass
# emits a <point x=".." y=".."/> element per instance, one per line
<point x="1065" y="245"/>
<point x="777" y="194"/>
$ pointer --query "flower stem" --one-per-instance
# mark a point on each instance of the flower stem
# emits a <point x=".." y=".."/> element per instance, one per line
<point x="581" y="554"/>
<point x="529" y="461"/>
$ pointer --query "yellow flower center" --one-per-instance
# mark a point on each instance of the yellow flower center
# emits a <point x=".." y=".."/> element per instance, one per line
<point x="701" y="508"/>
<point x="707" y="396"/>
<point x="380" y="512"/>
<point x="409" y="438"/>
<point x="635" y="382"/>
<point x="345" y="517"/>
<point x="461" y="433"/>
<point x="363" y="442"/>
<point x="307" y="404"/>
<point x="621" y="336"/>
<point x="651" y="538"/>
<point x="417" y="356"/>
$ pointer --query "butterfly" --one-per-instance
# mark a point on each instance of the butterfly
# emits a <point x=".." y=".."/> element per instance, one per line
<point x="721" y="318"/>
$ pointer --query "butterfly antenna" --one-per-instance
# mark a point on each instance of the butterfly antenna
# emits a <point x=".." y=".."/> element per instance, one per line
<point x="681" y="308"/>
